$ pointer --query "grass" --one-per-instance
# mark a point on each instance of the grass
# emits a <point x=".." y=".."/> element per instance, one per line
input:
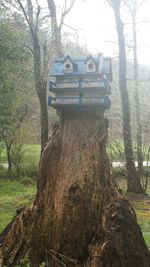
<point x="29" y="162"/>
<point x="31" y="154"/>
<point x="142" y="208"/>
<point x="115" y="150"/>
<point x="141" y="204"/>
<point x="14" y="194"/>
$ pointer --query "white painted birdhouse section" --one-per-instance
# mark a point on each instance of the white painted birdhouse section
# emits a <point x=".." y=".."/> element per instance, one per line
<point x="68" y="65"/>
<point x="101" y="64"/>
<point x="90" y="65"/>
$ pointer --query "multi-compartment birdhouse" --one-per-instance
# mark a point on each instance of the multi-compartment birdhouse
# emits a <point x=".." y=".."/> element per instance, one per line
<point x="81" y="82"/>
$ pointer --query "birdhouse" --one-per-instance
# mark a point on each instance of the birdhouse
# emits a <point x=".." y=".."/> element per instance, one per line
<point x="80" y="82"/>
<point x="69" y="65"/>
<point x="90" y="65"/>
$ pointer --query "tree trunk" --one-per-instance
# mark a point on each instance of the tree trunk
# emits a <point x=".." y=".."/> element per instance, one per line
<point x="133" y="181"/>
<point x="137" y="102"/>
<point x="39" y="74"/>
<point x="44" y="117"/>
<point x="41" y="89"/>
<point x="55" y="29"/>
<point x="78" y="218"/>
<point x="8" y="148"/>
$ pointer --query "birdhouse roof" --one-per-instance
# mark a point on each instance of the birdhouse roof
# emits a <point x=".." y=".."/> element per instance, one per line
<point x="68" y="58"/>
<point x="90" y="58"/>
<point x="79" y="66"/>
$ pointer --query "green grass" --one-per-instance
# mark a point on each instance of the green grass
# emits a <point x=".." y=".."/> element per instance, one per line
<point x="141" y="204"/>
<point x="14" y="194"/>
<point x="115" y="150"/>
<point x="31" y="154"/>
<point x="142" y="209"/>
<point x="29" y="163"/>
<point x="147" y="238"/>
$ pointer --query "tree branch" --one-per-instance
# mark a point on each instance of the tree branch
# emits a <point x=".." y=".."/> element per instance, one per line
<point x="27" y="19"/>
<point x="141" y="81"/>
<point x="137" y="22"/>
<point x="46" y="16"/>
<point x="27" y="46"/>
<point x="11" y="4"/>
<point x="66" y="12"/>
<point x="37" y="17"/>
<point x="74" y="29"/>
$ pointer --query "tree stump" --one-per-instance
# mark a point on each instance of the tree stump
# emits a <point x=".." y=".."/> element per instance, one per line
<point x="78" y="217"/>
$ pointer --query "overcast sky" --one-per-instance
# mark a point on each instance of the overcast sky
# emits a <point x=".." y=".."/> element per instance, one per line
<point x="94" y="20"/>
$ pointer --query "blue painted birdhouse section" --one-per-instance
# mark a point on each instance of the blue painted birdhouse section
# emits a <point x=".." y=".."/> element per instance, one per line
<point x="80" y="82"/>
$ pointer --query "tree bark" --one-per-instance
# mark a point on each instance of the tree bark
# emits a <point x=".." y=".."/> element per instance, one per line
<point x="133" y="181"/>
<point x="41" y="89"/>
<point x="78" y="218"/>
<point x="39" y="78"/>
<point x="55" y="29"/>
<point x="9" y="160"/>
<point x="137" y="102"/>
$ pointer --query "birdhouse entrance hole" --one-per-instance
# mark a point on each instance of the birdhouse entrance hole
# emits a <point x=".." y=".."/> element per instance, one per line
<point x="91" y="66"/>
<point x="68" y="66"/>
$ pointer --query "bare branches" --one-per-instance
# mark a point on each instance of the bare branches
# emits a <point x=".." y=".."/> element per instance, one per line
<point x="29" y="16"/>
<point x="142" y="2"/>
<point x="133" y="6"/>
<point x="137" y="22"/>
<point x="43" y="18"/>
<point x="70" y="27"/>
<point x="27" y="46"/>
<point x="28" y="20"/>
<point x="12" y="4"/>
<point x="37" y="17"/>
<point x="66" y="12"/>
<point x="112" y="42"/>
<point x="139" y="81"/>
<point x="30" y="12"/>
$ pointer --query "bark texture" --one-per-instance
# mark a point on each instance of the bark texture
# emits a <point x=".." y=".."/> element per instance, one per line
<point x="40" y="66"/>
<point x="78" y="218"/>
<point x="55" y="29"/>
<point x="134" y="184"/>
<point x="137" y="101"/>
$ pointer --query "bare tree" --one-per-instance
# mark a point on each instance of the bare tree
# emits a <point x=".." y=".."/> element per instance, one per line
<point x="133" y="181"/>
<point x="39" y="78"/>
<point x="8" y="131"/>
<point x="40" y="52"/>
<point x="133" y="8"/>
<point x="56" y="26"/>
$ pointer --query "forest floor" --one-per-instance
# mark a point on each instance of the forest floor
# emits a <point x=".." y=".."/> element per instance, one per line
<point x="17" y="193"/>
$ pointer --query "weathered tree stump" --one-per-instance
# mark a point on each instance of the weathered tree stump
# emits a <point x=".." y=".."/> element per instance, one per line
<point x="78" y="217"/>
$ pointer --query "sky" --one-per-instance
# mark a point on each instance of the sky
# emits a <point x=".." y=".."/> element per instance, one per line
<point x="95" y="24"/>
